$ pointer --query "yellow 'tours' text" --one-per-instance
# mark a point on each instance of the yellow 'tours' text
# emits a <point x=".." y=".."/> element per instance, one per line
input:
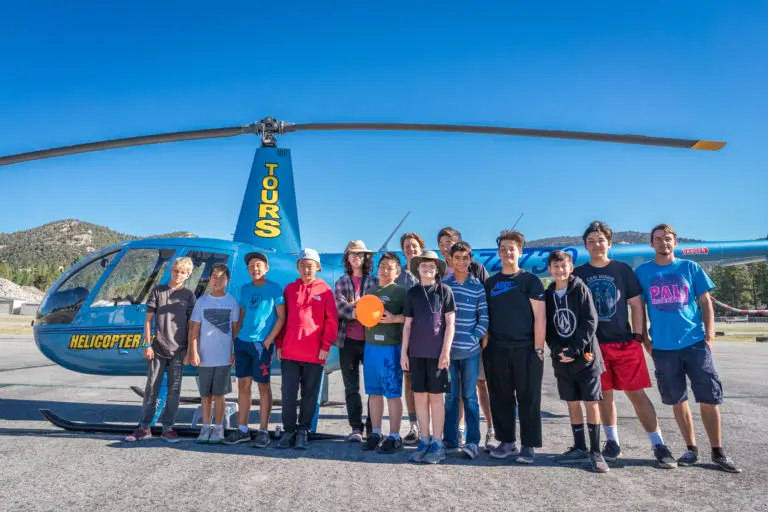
<point x="104" y="341"/>
<point x="268" y="225"/>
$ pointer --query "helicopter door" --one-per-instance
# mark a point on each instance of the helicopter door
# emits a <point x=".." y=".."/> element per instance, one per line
<point x="203" y="262"/>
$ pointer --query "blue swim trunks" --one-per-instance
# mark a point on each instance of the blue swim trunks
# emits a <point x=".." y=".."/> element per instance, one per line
<point x="252" y="359"/>
<point x="382" y="372"/>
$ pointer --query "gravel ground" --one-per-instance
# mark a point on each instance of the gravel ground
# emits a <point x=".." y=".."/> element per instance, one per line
<point x="45" y="468"/>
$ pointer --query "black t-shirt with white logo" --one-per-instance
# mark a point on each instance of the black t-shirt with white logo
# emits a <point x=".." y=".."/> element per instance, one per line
<point x="611" y="287"/>
<point x="509" y="308"/>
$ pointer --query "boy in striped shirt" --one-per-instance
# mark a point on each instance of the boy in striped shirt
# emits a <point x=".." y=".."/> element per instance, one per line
<point x="471" y="325"/>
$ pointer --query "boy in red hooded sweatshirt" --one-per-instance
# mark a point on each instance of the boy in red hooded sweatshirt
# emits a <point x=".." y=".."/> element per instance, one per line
<point x="302" y="347"/>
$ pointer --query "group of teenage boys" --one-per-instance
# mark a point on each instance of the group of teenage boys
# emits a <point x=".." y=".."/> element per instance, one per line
<point x="453" y="339"/>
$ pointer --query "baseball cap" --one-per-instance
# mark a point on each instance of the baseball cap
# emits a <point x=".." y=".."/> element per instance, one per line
<point x="309" y="254"/>
<point x="256" y="256"/>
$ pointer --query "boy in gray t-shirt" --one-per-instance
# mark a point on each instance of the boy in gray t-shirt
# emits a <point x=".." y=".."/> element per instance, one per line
<point x="170" y="305"/>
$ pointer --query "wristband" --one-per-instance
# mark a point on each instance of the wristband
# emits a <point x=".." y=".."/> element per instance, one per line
<point x="637" y="337"/>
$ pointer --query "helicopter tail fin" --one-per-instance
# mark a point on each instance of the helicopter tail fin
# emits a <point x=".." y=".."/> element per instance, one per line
<point x="268" y="217"/>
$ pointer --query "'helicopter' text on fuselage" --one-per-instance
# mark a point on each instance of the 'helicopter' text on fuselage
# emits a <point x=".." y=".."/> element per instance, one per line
<point x="268" y="225"/>
<point x="104" y="341"/>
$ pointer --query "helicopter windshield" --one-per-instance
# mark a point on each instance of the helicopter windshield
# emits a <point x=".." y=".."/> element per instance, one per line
<point x="137" y="272"/>
<point x="62" y="304"/>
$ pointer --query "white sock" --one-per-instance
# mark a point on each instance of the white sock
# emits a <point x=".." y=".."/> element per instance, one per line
<point x="243" y="428"/>
<point x="426" y="439"/>
<point x="377" y="431"/>
<point x="611" y="433"/>
<point x="395" y="435"/>
<point x="207" y="425"/>
<point x="655" y="438"/>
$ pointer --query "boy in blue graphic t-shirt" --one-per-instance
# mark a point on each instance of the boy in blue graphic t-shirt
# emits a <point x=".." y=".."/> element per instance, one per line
<point x="262" y="315"/>
<point x="676" y="295"/>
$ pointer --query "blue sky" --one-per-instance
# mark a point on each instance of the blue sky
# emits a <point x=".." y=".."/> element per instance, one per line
<point x="680" y="69"/>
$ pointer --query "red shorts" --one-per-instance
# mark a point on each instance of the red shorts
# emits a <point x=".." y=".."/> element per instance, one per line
<point x="625" y="367"/>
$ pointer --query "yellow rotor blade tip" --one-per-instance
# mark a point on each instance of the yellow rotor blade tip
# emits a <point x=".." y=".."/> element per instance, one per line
<point x="709" y="145"/>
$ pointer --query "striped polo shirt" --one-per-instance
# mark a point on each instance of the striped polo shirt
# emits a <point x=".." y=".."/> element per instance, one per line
<point x="471" y="316"/>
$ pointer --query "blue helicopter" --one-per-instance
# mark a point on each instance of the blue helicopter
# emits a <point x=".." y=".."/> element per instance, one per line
<point x="91" y="319"/>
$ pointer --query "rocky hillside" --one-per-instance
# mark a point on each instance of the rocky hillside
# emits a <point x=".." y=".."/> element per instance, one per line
<point x="60" y="243"/>
<point x="27" y="293"/>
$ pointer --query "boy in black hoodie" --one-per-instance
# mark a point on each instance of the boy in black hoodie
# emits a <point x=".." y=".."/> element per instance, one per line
<point x="576" y="357"/>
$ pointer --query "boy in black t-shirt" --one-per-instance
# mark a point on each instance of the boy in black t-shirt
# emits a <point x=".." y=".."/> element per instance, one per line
<point x="576" y="358"/>
<point x="514" y="357"/>
<point x="615" y="291"/>
<point x="427" y="337"/>
<point x="169" y="306"/>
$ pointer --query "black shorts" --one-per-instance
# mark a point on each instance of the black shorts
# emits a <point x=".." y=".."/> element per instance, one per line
<point x="579" y="388"/>
<point x="426" y="377"/>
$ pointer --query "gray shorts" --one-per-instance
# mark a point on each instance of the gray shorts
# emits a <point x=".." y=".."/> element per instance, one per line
<point x="214" y="380"/>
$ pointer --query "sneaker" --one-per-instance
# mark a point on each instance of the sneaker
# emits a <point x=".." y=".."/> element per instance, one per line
<point x="237" y="436"/>
<point x="302" y="440"/>
<point x="412" y="437"/>
<point x="470" y="450"/>
<point x="356" y="436"/>
<point x="598" y="462"/>
<point x="726" y="464"/>
<point x="287" y="440"/>
<point x="490" y="441"/>
<point x="391" y="445"/>
<point x="572" y="456"/>
<point x="170" y="436"/>
<point x="688" y="458"/>
<point x="435" y="454"/>
<point x="664" y="457"/>
<point x="526" y="456"/>
<point x="217" y="436"/>
<point x="140" y="434"/>
<point x="421" y="451"/>
<point x="504" y="450"/>
<point x="611" y="450"/>
<point x="205" y="434"/>
<point x="371" y="442"/>
<point x="261" y="439"/>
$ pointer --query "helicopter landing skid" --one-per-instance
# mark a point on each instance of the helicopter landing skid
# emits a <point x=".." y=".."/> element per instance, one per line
<point x="255" y="401"/>
<point x="125" y="429"/>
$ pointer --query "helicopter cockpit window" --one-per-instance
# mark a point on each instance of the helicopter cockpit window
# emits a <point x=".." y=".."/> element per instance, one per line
<point x="201" y="273"/>
<point x="133" y="278"/>
<point x="63" y="303"/>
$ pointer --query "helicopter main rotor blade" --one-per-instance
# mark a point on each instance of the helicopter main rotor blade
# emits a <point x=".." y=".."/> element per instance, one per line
<point x="268" y="128"/>
<point x="128" y="142"/>
<point x="525" y="132"/>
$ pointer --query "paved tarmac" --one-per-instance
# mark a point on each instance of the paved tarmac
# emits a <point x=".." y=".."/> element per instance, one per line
<point x="45" y="468"/>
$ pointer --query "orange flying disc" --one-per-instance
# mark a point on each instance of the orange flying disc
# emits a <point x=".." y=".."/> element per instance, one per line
<point x="369" y="310"/>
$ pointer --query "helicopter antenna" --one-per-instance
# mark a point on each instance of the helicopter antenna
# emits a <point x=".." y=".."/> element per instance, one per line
<point x="386" y="242"/>
<point x="518" y="220"/>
